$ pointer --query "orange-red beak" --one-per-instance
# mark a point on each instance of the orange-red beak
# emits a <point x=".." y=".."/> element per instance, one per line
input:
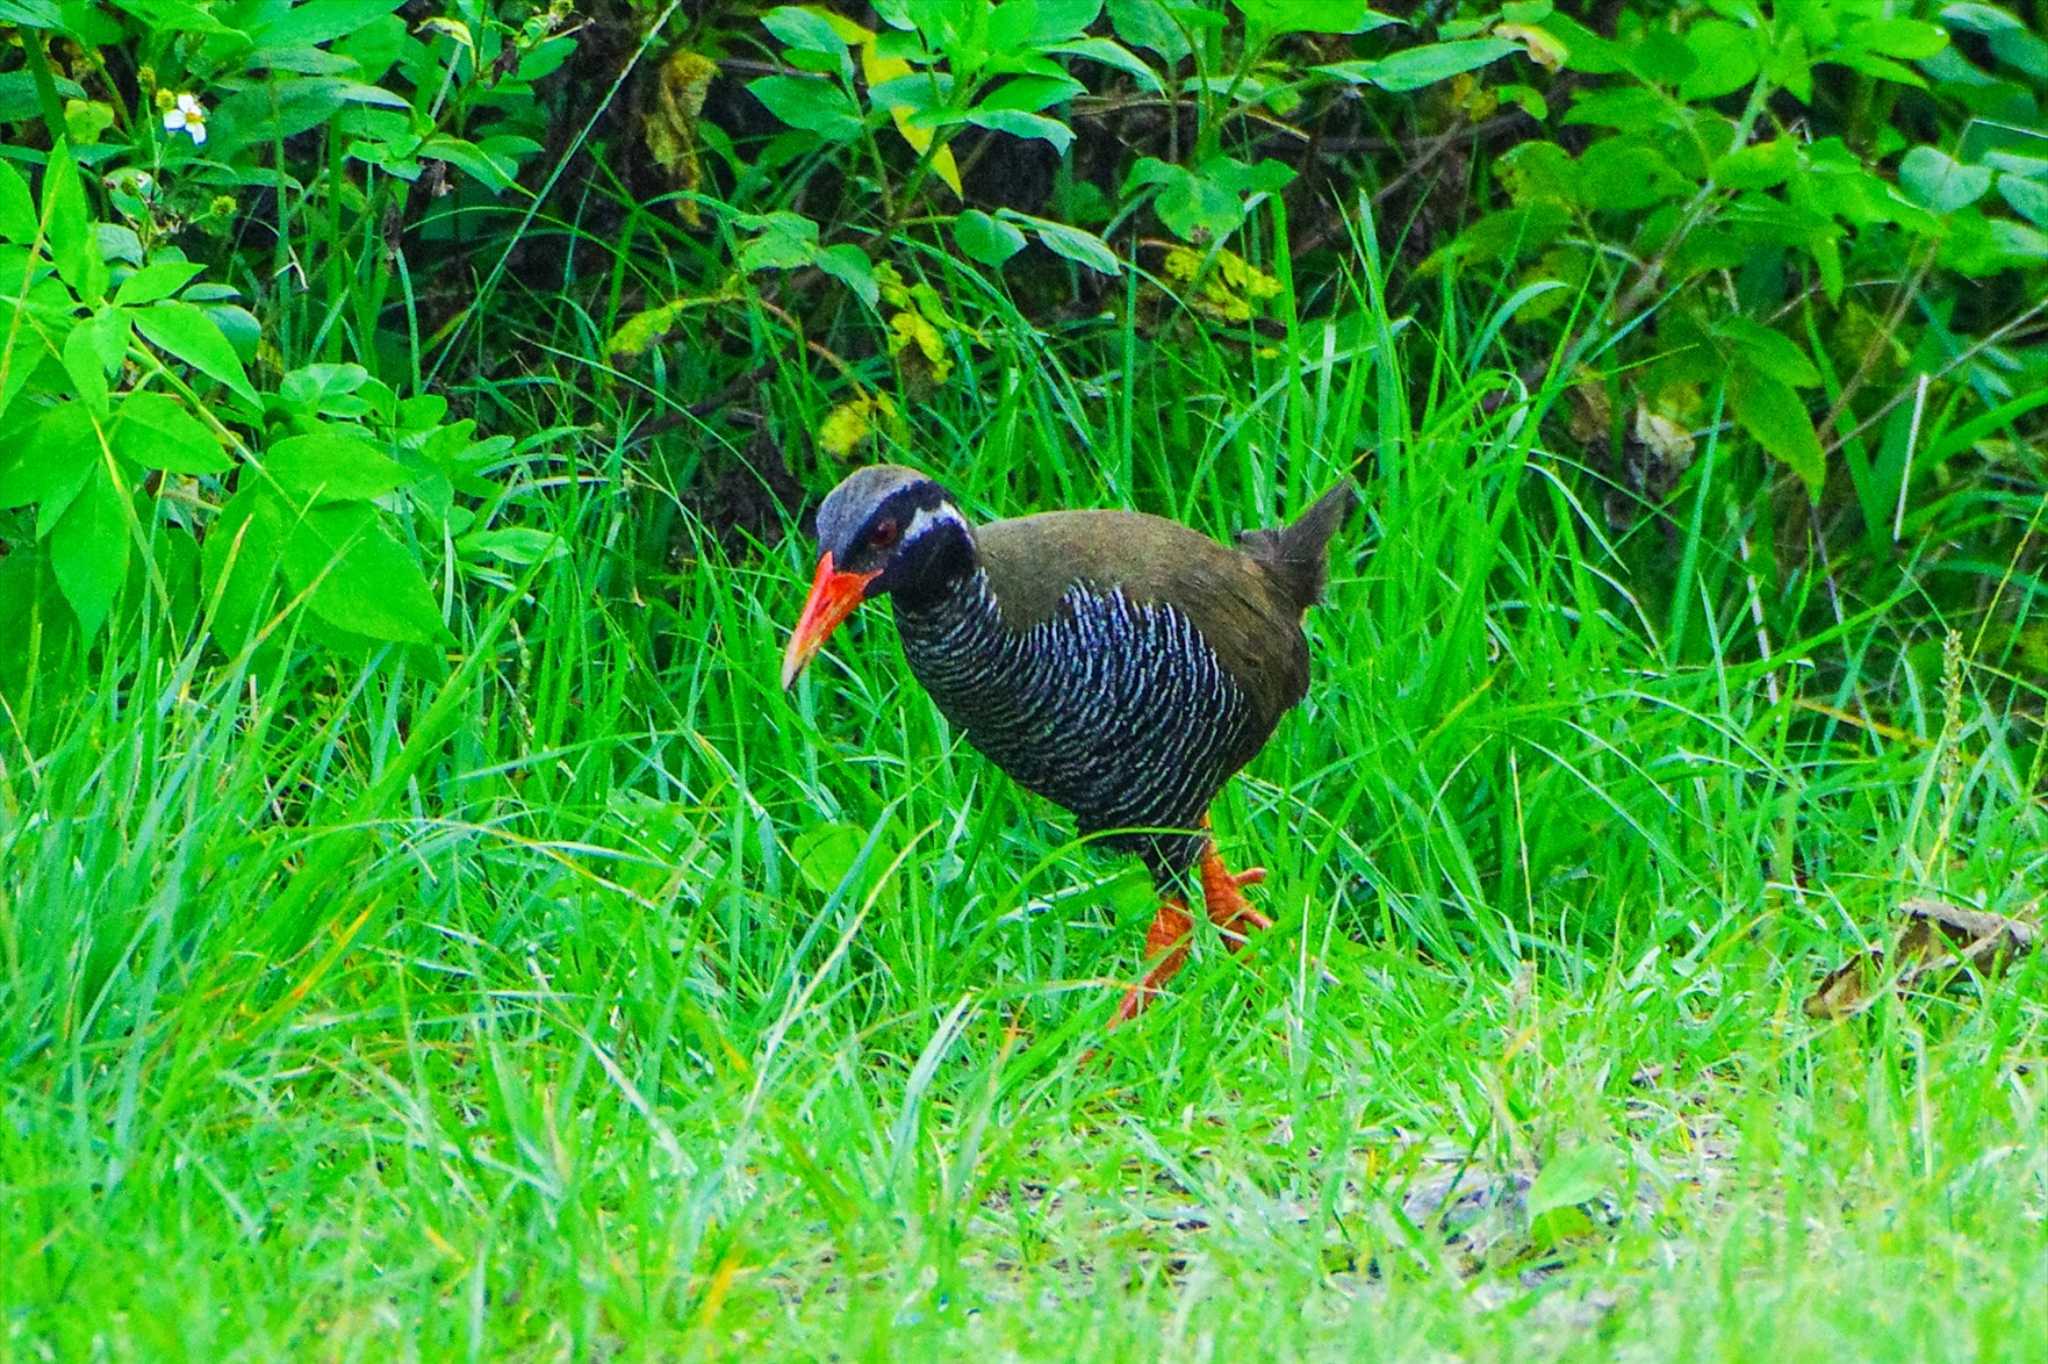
<point x="833" y="597"/>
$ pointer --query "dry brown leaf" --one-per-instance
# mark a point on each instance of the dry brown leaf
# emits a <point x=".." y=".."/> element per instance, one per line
<point x="1938" y="938"/>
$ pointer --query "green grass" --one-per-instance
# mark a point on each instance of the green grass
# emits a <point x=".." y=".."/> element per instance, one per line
<point x="593" y="1000"/>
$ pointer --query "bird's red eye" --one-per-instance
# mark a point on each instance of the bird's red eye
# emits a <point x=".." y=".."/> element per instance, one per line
<point x="884" y="534"/>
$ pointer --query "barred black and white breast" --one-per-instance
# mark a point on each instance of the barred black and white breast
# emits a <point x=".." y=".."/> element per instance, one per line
<point x="1117" y="709"/>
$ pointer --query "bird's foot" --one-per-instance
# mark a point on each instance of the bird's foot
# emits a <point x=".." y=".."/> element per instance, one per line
<point x="1223" y="897"/>
<point x="1166" y="949"/>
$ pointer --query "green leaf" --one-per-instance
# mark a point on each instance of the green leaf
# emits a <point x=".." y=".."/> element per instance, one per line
<point x="825" y="854"/>
<point x="1311" y="16"/>
<point x="1571" y="1177"/>
<point x="1032" y="93"/>
<point x="1938" y="182"/>
<point x="1726" y="56"/>
<point x="238" y="564"/>
<point x="1083" y="248"/>
<point x="1625" y="108"/>
<point x="850" y="265"/>
<point x="329" y="389"/>
<point x="67" y="224"/>
<point x="2028" y="198"/>
<point x="1772" y="413"/>
<point x="185" y="333"/>
<point x="986" y="240"/>
<point x="306" y="23"/>
<point x="1760" y="166"/>
<point x="1426" y="65"/>
<point x="17" y="208"/>
<point x="155" y="431"/>
<point x="89" y="549"/>
<point x="49" y="462"/>
<point x="1187" y="203"/>
<point x="804" y="30"/>
<point x="472" y="160"/>
<point x="153" y="282"/>
<point x="1624" y="175"/>
<point x="1115" y="55"/>
<point x="520" y="545"/>
<point x="1020" y="124"/>
<point x="330" y="466"/>
<point x="1059" y="20"/>
<point x="88" y="375"/>
<point x="1148" y="24"/>
<point x="1771" y="352"/>
<point x="360" y="579"/>
<point x="1909" y="40"/>
<point x="811" y="103"/>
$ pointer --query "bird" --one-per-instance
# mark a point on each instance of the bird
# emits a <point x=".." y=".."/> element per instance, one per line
<point x="1121" y="665"/>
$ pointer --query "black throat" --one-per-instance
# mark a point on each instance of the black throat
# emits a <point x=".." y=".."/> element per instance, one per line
<point x="931" y="568"/>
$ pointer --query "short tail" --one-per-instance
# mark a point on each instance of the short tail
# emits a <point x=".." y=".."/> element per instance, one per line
<point x="1298" y="556"/>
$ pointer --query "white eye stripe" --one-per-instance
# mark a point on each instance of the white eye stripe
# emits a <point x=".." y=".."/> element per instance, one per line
<point x="926" y="517"/>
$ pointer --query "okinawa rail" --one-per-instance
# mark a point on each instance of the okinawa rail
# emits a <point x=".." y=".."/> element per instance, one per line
<point x="1120" y="665"/>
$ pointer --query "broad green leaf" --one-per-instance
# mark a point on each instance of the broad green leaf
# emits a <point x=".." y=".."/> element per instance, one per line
<point x="1938" y="182"/>
<point x="2028" y="198"/>
<point x="1771" y="411"/>
<point x="1019" y="124"/>
<point x="1571" y="1177"/>
<point x="1148" y="24"/>
<point x="1032" y="93"/>
<point x="1909" y="40"/>
<point x="984" y="239"/>
<point x="471" y="160"/>
<point x="89" y="549"/>
<point x="1539" y="172"/>
<point x="1625" y="108"/>
<point x="850" y="265"/>
<point x="361" y="579"/>
<point x="1084" y="248"/>
<point x="329" y="389"/>
<point x="825" y="854"/>
<point x="1727" y="58"/>
<point x="1771" y="352"/>
<point x="48" y="462"/>
<point x="1188" y="203"/>
<point x="67" y="224"/>
<point x="330" y="466"/>
<point x="1759" y="166"/>
<point x="153" y="282"/>
<point x="1114" y="55"/>
<point x="521" y="545"/>
<point x="1059" y="20"/>
<point x="185" y="333"/>
<point x="1625" y="175"/>
<point x="811" y="103"/>
<point x="806" y="31"/>
<point x="1311" y="16"/>
<point x="1415" y="67"/>
<point x="155" y="431"/>
<point x="17" y="208"/>
<point x="88" y="375"/>
<point x="306" y="23"/>
<point x="238" y="564"/>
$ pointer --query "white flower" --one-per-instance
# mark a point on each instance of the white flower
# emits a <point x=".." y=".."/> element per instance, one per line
<point x="189" y="116"/>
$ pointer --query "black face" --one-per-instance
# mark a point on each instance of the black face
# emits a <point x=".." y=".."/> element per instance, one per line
<point x="898" y="525"/>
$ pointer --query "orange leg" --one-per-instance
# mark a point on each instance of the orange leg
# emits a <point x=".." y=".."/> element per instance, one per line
<point x="1166" y="941"/>
<point x="1166" y="947"/>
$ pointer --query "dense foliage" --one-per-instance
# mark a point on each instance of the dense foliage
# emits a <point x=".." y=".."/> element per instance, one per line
<point x="1810" y="238"/>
